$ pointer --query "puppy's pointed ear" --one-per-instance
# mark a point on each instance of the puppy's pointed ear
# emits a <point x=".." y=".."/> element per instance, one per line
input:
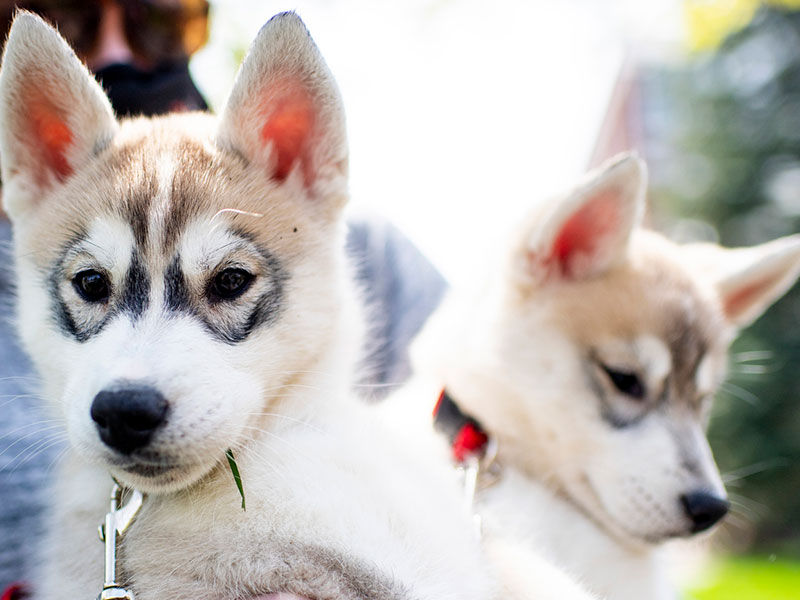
<point x="53" y="114"/>
<point x="285" y="114"/>
<point x="587" y="232"/>
<point x="749" y="280"/>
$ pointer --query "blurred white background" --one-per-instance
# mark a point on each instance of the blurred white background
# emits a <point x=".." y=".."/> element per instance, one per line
<point x="461" y="113"/>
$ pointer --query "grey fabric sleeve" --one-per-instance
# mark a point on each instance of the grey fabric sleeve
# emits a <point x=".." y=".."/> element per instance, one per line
<point x="28" y="441"/>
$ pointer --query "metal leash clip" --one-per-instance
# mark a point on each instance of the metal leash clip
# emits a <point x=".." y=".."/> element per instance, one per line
<point x="116" y="523"/>
<point x="478" y="473"/>
<point x="469" y="471"/>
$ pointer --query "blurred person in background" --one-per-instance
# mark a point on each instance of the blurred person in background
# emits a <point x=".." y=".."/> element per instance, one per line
<point x="140" y="51"/>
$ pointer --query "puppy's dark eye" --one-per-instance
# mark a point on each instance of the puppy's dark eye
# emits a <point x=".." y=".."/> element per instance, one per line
<point x="91" y="285"/>
<point x="230" y="284"/>
<point x="627" y="383"/>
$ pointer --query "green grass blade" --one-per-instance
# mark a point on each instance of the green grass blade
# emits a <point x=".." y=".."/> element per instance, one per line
<point x="236" y="477"/>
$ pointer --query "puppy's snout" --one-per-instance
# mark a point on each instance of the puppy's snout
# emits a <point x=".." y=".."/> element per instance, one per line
<point x="704" y="509"/>
<point x="126" y="418"/>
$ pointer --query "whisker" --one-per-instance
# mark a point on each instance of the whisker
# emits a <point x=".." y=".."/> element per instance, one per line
<point x="29" y="448"/>
<point x="277" y="438"/>
<point x="27" y="425"/>
<point x="378" y="385"/>
<point x="21" y="377"/>
<point x="756" y="362"/>
<point x="304" y="372"/>
<point x="280" y="416"/>
<point x="235" y="211"/>
<point x="48" y="443"/>
<point x="747" y="508"/>
<point x="276" y="466"/>
<point x="57" y="459"/>
<point x="759" y="467"/>
<point x="757" y="369"/>
<point x="292" y="385"/>
<point x="752" y="356"/>
<point x="740" y="393"/>
<point x="25" y="395"/>
<point x="738" y="520"/>
<point x="15" y="397"/>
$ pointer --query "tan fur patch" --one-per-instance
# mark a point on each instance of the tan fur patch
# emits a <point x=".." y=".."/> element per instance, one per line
<point x="649" y="294"/>
<point x="207" y="180"/>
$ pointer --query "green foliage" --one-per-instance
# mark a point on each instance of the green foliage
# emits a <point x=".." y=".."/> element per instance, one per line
<point x="729" y="140"/>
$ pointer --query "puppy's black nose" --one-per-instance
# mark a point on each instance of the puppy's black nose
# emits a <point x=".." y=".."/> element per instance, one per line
<point x="127" y="418"/>
<point x="704" y="509"/>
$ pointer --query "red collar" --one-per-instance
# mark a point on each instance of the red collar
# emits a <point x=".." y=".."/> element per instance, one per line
<point x="467" y="437"/>
<point x="17" y="591"/>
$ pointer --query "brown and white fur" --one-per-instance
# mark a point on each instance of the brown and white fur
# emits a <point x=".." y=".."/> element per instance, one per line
<point x="592" y="355"/>
<point x="182" y="291"/>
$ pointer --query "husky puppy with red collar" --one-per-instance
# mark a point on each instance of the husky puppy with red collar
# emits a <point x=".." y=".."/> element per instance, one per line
<point x="590" y="357"/>
<point x="183" y="294"/>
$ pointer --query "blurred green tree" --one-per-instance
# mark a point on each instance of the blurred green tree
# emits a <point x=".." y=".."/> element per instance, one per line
<point x="725" y="144"/>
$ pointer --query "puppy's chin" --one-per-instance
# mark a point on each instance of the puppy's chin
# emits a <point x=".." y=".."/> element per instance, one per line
<point x="586" y="498"/>
<point x="159" y="479"/>
<point x="640" y="539"/>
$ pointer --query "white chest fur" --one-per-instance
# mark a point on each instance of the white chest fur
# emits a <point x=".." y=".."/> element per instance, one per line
<point x="329" y="514"/>
<point x="521" y="508"/>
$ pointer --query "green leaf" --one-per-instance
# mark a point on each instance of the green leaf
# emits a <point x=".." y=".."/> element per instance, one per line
<point x="236" y="477"/>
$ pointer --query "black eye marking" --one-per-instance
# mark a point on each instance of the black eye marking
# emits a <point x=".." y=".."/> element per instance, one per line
<point x="228" y="323"/>
<point x="137" y="287"/>
<point x="229" y="284"/>
<point x="626" y="383"/>
<point x="175" y="289"/>
<point x="91" y="285"/>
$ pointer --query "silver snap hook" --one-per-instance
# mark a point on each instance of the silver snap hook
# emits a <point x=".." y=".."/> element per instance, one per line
<point x="114" y="525"/>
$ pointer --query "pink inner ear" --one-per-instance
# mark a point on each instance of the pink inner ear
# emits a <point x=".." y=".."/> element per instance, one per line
<point x="288" y="127"/>
<point x="52" y="135"/>
<point x="584" y="232"/>
<point x="739" y="301"/>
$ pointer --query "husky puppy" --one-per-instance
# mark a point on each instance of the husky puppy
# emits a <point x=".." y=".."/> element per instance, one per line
<point x="592" y="355"/>
<point x="182" y="292"/>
